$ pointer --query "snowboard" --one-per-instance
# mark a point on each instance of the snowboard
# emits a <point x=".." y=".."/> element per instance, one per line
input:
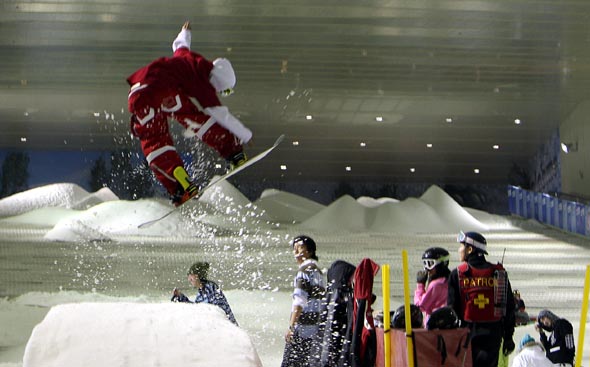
<point x="219" y="179"/>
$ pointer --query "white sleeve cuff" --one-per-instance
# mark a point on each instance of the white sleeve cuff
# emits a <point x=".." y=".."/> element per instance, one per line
<point x="222" y="115"/>
<point x="182" y="40"/>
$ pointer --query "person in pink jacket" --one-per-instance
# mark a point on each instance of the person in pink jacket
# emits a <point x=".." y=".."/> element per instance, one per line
<point x="185" y="88"/>
<point x="432" y="282"/>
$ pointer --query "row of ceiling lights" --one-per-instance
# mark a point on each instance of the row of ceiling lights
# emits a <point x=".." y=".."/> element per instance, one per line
<point x="283" y="167"/>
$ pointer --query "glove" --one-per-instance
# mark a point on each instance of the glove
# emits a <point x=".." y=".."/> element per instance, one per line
<point x="177" y="296"/>
<point x="508" y="346"/>
<point x="421" y="276"/>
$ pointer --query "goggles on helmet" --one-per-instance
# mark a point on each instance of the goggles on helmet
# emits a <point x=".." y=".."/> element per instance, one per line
<point x="227" y="92"/>
<point x="463" y="238"/>
<point x="430" y="264"/>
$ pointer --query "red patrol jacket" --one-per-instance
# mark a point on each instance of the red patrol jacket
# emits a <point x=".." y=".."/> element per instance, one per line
<point x="482" y="292"/>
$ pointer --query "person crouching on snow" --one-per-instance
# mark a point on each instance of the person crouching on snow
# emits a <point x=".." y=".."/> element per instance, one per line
<point x="171" y="87"/>
<point x="207" y="291"/>
<point x="531" y="354"/>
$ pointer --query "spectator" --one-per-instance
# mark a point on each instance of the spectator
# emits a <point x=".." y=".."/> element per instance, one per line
<point x="559" y="345"/>
<point x="337" y="317"/>
<point x="207" y="291"/>
<point x="301" y="339"/>
<point x="481" y="295"/>
<point x="520" y="315"/>
<point x="531" y="354"/>
<point x="432" y="283"/>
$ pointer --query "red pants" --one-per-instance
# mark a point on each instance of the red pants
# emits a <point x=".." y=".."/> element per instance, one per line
<point x="149" y="122"/>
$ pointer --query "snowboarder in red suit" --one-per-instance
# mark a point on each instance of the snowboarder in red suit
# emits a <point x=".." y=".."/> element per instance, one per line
<point x="185" y="88"/>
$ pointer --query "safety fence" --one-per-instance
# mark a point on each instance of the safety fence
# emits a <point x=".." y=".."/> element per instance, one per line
<point x="570" y="216"/>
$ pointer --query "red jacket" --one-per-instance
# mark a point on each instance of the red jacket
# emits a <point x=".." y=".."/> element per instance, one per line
<point x="186" y="73"/>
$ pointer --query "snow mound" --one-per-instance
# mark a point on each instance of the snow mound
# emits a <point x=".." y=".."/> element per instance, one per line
<point x="285" y="207"/>
<point x="221" y="210"/>
<point x="65" y="195"/>
<point x="224" y="210"/>
<point x="434" y="211"/>
<point x="370" y="202"/>
<point x="131" y="334"/>
<point x="122" y="218"/>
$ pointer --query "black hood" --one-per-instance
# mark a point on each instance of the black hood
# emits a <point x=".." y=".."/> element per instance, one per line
<point x="551" y="316"/>
<point x="339" y="274"/>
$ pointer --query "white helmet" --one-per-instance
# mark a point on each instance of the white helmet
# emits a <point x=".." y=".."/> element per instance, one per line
<point x="222" y="76"/>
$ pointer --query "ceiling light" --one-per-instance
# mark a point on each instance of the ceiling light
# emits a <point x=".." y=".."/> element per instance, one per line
<point x="429" y="145"/>
<point x="517" y="121"/>
<point x="296" y="143"/>
<point x="348" y="168"/>
<point x="412" y="170"/>
<point x="379" y="118"/>
<point x="449" y="120"/>
<point x="496" y="146"/>
<point x="569" y="147"/>
<point x="23" y="139"/>
<point x="283" y="167"/>
<point x="476" y="170"/>
<point x="308" y="117"/>
<point x="363" y="144"/>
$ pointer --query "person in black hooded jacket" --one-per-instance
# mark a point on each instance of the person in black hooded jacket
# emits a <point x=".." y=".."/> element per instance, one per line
<point x="336" y="321"/>
<point x="559" y="346"/>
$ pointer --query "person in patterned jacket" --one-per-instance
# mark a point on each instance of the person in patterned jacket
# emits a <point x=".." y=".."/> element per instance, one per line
<point x="207" y="291"/>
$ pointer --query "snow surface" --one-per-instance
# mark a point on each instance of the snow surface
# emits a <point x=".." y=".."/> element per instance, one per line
<point x="132" y="334"/>
<point x="140" y="332"/>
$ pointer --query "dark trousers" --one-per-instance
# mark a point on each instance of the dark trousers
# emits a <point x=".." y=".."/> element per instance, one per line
<point x="297" y="352"/>
<point x="485" y="344"/>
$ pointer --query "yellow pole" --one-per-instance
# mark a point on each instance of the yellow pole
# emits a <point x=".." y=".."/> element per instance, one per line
<point x="583" y="318"/>
<point x="386" y="316"/>
<point x="408" y="314"/>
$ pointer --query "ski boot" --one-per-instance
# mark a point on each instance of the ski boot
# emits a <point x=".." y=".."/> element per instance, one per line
<point x="237" y="160"/>
<point x="187" y="189"/>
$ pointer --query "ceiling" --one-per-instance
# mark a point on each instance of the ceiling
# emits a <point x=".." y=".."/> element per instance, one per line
<point x="414" y="63"/>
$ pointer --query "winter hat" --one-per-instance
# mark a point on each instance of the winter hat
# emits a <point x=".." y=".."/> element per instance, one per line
<point x="473" y="239"/>
<point x="222" y="76"/>
<point x="200" y="269"/>
<point x="526" y="341"/>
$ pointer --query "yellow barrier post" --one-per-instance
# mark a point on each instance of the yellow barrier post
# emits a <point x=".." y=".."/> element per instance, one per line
<point x="408" y="313"/>
<point x="583" y="318"/>
<point x="386" y="316"/>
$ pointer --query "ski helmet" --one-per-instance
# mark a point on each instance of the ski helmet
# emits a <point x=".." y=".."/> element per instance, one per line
<point x="474" y="239"/>
<point x="434" y="256"/>
<point x="398" y="321"/>
<point x="443" y="318"/>
<point x="223" y="77"/>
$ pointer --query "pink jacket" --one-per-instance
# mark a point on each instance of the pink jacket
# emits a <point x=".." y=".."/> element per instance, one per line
<point x="433" y="298"/>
